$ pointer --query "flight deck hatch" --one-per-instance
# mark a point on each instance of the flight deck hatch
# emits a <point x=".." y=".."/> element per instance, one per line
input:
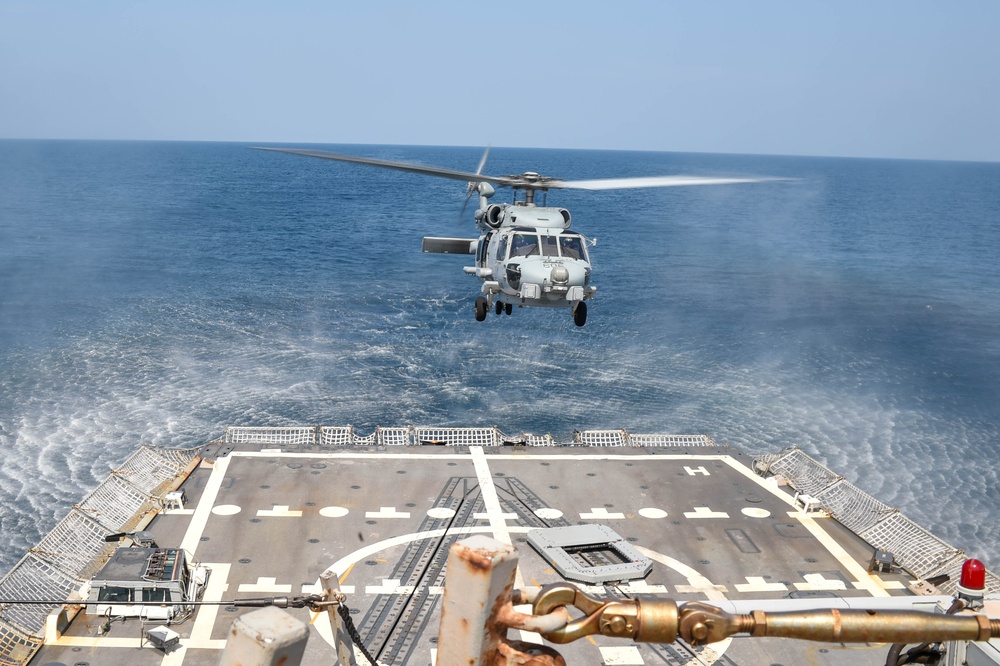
<point x="590" y="553"/>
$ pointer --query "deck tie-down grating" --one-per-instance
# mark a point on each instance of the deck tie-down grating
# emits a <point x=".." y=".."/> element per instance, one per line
<point x="570" y="549"/>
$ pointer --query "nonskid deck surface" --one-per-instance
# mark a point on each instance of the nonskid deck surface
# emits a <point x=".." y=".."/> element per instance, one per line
<point x="268" y="523"/>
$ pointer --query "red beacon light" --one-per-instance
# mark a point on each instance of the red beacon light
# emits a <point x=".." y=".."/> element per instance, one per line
<point x="972" y="584"/>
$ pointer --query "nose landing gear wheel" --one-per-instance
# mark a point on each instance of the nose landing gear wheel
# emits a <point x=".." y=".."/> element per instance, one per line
<point x="508" y="308"/>
<point x="499" y="307"/>
<point x="580" y="314"/>
<point x="481" y="309"/>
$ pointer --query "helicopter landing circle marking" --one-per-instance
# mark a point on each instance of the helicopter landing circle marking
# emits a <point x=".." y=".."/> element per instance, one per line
<point x="709" y="656"/>
<point x="226" y="510"/>
<point x="651" y="512"/>
<point x="333" y="512"/>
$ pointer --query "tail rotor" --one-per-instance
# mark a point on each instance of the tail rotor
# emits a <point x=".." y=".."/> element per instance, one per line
<point x="476" y="187"/>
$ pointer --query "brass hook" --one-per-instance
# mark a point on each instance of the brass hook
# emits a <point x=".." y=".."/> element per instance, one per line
<point x="644" y="620"/>
<point x="557" y="595"/>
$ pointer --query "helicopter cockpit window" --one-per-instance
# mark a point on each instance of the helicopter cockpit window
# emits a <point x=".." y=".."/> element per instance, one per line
<point x="550" y="246"/>
<point x="525" y="245"/>
<point x="572" y="247"/>
<point x="484" y="247"/>
<point x="502" y="250"/>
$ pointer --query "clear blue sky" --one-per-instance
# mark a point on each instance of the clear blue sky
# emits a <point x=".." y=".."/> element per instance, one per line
<point x="911" y="79"/>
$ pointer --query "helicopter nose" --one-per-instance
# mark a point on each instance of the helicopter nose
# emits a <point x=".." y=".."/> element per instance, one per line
<point x="572" y="273"/>
<point x="559" y="275"/>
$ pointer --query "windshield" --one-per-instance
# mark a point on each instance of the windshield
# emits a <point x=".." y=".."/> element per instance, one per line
<point x="525" y="245"/>
<point x="572" y="246"/>
<point x="529" y="245"/>
<point x="550" y="246"/>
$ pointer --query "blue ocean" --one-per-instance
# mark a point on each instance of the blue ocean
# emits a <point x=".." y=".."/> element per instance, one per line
<point x="157" y="292"/>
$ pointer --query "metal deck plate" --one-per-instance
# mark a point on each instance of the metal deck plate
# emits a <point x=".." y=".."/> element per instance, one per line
<point x="590" y="553"/>
<point x="270" y="522"/>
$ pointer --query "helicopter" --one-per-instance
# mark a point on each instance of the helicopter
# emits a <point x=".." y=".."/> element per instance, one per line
<point x="526" y="254"/>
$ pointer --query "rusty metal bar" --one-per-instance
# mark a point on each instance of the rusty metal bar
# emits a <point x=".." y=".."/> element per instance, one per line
<point x="265" y="637"/>
<point x="480" y="579"/>
<point x="478" y="610"/>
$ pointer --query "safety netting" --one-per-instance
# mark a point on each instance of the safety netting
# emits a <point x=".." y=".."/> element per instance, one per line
<point x="913" y="548"/>
<point x="331" y="437"/>
<point x="75" y="549"/>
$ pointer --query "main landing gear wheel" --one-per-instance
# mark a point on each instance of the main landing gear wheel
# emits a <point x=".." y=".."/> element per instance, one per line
<point x="481" y="309"/>
<point x="580" y="314"/>
<point x="508" y="308"/>
<point x="499" y="307"/>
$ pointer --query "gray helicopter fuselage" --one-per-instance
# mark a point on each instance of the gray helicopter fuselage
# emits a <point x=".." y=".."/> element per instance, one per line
<point x="529" y="256"/>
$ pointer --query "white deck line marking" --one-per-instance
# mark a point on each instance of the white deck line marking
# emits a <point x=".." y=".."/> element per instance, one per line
<point x="652" y="512"/>
<point x="864" y="580"/>
<point x="887" y="584"/>
<point x="279" y="511"/>
<point x="758" y="584"/>
<point x="816" y="581"/>
<point x="548" y="513"/>
<point x="200" y="518"/>
<point x="265" y="584"/>
<point x="491" y="501"/>
<point x="626" y="655"/>
<point x="102" y="642"/>
<point x="387" y="512"/>
<point x="600" y="513"/>
<point x="390" y="586"/>
<point x="441" y="512"/>
<point x="705" y="512"/>
<point x="201" y="631"/>
<point x="697" y="581"/>
<point x="642" y="587"/>
<point x="755" y="512"/>
<point x="497" y="518"/>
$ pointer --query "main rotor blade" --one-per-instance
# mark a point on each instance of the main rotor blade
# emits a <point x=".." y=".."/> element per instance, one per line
<point x="525" y="181"/>
<point x="648" y="181"/>
<point x="441" y="172"/>
<point x="482" y="161"/>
